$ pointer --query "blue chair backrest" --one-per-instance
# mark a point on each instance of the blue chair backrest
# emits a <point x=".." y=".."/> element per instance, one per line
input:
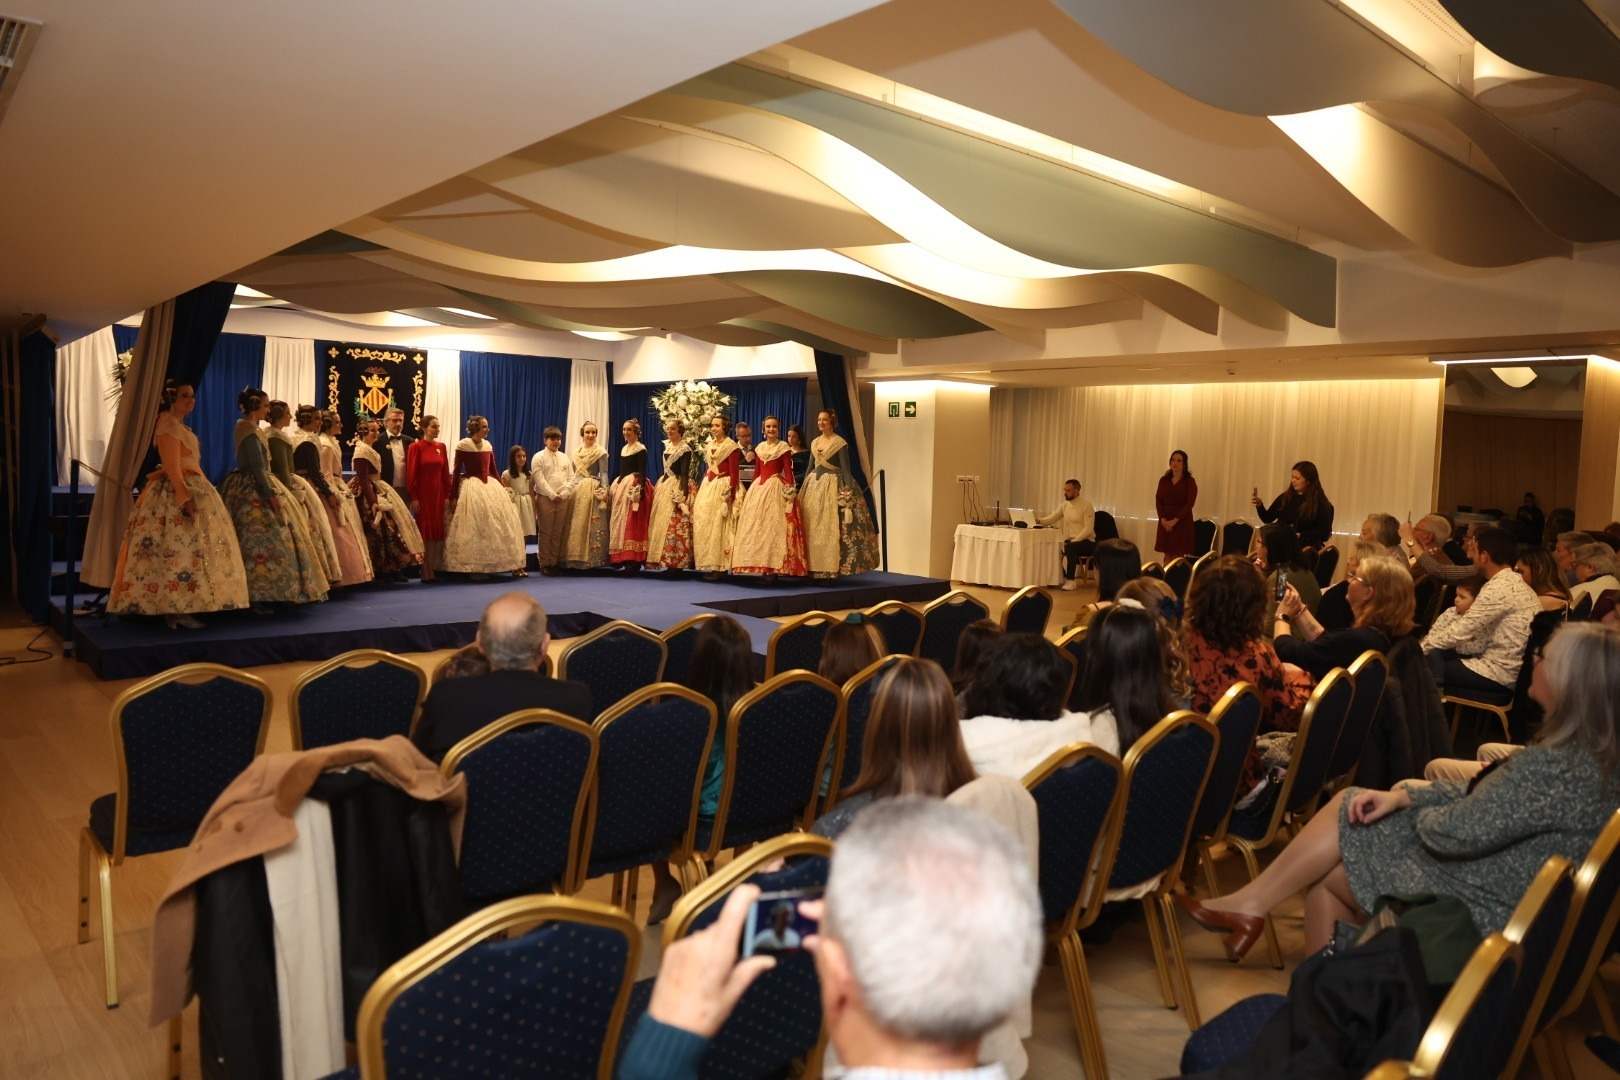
<point x="1328" y="709"/>
<point x="370" y="702"/>
<point x="1165" y="782"/>
<point x="1203" y="536"/>
<point x="1178" y="575"/>
<point x="1483" y="1039"/>
<point x="1103" y="525"/>
<point x="1238" y="722"/>
<point x="614" y="666"/>
<point x="647" y="767"/>
<point x="678" y="653"/>
<point x="1072" y="804"/>
<point x="798" y="647"/>
<point x="901" y="629"/>
<point x="1027" y="613"/>
<point x="1076" y="647"/>
<point x="780" y="739"/>
<point x="857" y="710"/>
<point x="1327" y="563"/>
<point x="523" y="790"/>
<point x="943" y="626"/>
<point x="1236" y="537"/>
<point x="1370" y="678"/>
<point x="183" y="745"/>
<point x="1540" y="934"/>
<point x="1593" y="923"/>
<point x="536" y="1005"/>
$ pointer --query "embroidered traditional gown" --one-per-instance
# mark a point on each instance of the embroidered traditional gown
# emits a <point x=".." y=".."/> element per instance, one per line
<point x="838" y="532"/>
<point x="280" y="558"/>
<point x="391" y="534"/>
<point x="770" y="533"/>
<point x="631" y="501"/>
<point x="521" y="490"/>
<point x="348" y="512"/>
<point x="305" y="501"/>
<point x="428" y="466"/>
<point x="714" y="510"/>
<point x="669" y="530"/>
<point x="484" y="535"/>
<point x="586" y="545"/>
<point x="172" y="563"/>
<point x="354" y="568"/>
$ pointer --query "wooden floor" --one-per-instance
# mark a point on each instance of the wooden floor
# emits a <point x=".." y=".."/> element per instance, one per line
<point x="55" y="757"/>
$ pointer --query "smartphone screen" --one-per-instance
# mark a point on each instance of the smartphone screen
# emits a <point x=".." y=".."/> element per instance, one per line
<point x="775" y="924"/>
<point x="1282" y="585"/>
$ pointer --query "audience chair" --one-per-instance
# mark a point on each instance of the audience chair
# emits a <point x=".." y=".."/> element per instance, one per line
<point x="1074" y="643"/>
<point x="1237" y="537"/>
<point x="1327" y="564"/>
<point x="1178" y="574"/>
<point x="796" y="644"/>
<point x="779" y="739"/>
<point x="529" y="776"/>
<point x="1237" y="717"/>
<point x="180" y="739"/>
<point x="943" y="622"/>
<point x="777" y="1022"/>
<point x="1428" y="600"/>
<point x="1581" y="610"/>
<point x="1026" y="612"/>
<point x="1078" y="797"/>
<point x="613" y="661"/>
<point x="1318" y="735"/>
<point x="1202" y="561"/>
<point x="1504" y="702"/>
<point x="1472" y="1033"/>
<point x="1204" y="531"/>
<point x="678" y="643"/>
<point x="1369" y="673"/>
<point x="1153" y="570"/>
<point x="1103" y="525"/>
<point x="652" y="749"/>
<point x="1595" y="912"/>
<point x="1164" y="778"/>
<point x="1541" y="926"/>
<point x="364" y="694"/>
<point x="899" y="624"/>
<point x="532" y="986"/>
<point x="848" y="754"/>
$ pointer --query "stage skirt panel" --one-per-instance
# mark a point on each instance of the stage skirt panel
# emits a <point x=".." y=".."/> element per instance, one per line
<point x="485" y="536"/>
<point x="669" y="532"/>
<point x="627" y="525"/>
<point x="770" y="533"/>
<point x="280" y="559"/>
<point x="170" y="564"/>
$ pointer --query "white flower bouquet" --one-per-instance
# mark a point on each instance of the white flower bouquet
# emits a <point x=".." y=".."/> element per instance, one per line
<point x="695" y="404"/>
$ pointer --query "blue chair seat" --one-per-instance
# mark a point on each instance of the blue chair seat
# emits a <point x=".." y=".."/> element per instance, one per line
<point x="104" y="811"/>
<point x="1229" y="1034"/>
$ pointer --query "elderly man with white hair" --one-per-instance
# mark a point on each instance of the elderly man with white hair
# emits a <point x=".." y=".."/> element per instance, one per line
<point x="1595" y="569"/>
<point x="1424" y="544"/>
<point x="930" y="937"/>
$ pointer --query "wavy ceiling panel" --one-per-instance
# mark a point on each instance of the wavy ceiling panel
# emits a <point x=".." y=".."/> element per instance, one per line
<point x="1559" y="37"/>
<point x="875" y="307"/>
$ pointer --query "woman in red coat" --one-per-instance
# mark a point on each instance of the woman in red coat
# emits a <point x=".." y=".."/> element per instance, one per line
<point x="428" y="467"/>
<point x="1178" y="491"/>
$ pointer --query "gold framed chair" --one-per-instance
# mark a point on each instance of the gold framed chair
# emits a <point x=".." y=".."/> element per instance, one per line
<point x="1464" y="1039"/>
<point x="1027" y="611"/>
<point x="1073" y="642"/>
<point x="1541" y="925"/>
<point x="495" y="967"/>
<point x="678" y="642"/>
<point x="900" y="624"/>
<point x="613" y="661"/>
<point x="858" y="693"/>
<point x="362" y="694"/>
<point x="944" y="619"/>
<point x="796" y="644"/>
<point x="178" y="745"/>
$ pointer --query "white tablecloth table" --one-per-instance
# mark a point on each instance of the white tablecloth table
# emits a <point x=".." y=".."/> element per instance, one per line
<point x="1007" y="558"/>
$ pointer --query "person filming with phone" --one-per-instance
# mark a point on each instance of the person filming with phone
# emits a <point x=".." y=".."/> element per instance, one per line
<point x="1303" y="506"/>
<point x="930" y="937"/>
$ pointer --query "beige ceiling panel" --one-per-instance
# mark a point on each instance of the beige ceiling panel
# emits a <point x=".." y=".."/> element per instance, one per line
<point x="523" y="234"/>
<point x="737" y="336"/>
<point x="669" y="317"/>
<point x="682" y="290"/>
<point x="924" y="269"/>
<point x="459" y="195"/>
<point x="1250" y="304"/>
<point x="362" y="296"/>
<point x="315" y="270"/>
<point x="1174" y="299"/>
<point x="810" y="324"/>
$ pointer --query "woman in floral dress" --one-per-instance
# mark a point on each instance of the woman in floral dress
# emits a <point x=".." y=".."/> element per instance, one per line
<point x="391" y="535"/>
<point x="331" y="450"/>
<point x="770" y="534"/>
<point x="280" y="558"/>
<point x="354" y="568"/>
<point x="428" y="466"/>
<point x="179" y="557"/>
<point x="631" y="502"/>
<point x="669" y="535"/>
<point x="484" y="536"/>
<point x="839" y="537"/>
<point x="587" y="543"/>
<point x="713" y="510"/>
<point x="306" y="503"/>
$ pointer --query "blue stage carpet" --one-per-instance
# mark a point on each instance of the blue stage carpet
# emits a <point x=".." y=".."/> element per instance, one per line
<point x="415" y="617"/>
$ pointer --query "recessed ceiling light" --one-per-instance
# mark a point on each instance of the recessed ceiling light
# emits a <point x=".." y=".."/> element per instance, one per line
<point x="1516" y="377"/>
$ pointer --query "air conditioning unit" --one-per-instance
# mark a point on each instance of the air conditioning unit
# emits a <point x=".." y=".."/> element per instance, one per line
<point x="16" y="42"/>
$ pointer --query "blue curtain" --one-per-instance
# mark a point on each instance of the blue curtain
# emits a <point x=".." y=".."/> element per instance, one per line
<point x="199" y="316"/>
<point x="520" y="395"/>
<point x="831" y="373"/>
<point x="236" y="363"/>
<point x="626" y="403"/>
<point x="36" y="440"/>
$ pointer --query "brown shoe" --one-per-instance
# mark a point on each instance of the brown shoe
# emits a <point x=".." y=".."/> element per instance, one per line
<point x="1241" y="931"/>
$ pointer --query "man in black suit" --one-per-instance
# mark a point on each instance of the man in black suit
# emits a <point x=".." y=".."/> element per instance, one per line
<point x="392" y="448"/>
<point x="512" y="635"/>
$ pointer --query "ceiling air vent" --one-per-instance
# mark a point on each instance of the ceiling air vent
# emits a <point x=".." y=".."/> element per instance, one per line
<point x="16" y="42"/>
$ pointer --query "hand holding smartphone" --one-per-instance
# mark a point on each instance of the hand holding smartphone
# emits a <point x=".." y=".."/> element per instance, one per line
<point x="775" y="923"/>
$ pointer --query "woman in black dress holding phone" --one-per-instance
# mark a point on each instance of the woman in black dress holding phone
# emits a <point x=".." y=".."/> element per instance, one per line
<point x="1303" y="507"/>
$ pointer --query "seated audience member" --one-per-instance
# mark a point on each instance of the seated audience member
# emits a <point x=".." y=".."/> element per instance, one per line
<point x="512" y="636"/>
<point x="1594" y="571"/>
<point x="930" y="938"/>
<point x="1126" y="688"/>
<point x="1159" y="600"/>
<point x="1385" y="531"/>
<point x="1152" y="594"/>
<point x="1333" y="611"/>
<point x="1118" y="561"/>
<point x="1561" y="520"/>
<point x="1482" y="650"/>
<point x="465" y="661"/>
<point x="1482" y="842"/>
<point x="1541" y="573"/>
<point x="913" y="744"/>
<point x="1467" y="591"/>
<point x="1226" y="644"/>
<point x="1015" y="716"/>
<point x="1276" y="552"/>
<point x="1380" y="595"/>
<point x="1075" y="518"/>
<point x="971" y="648"/>
<point x="1425" y="544"/>
<point x="850" y="647"/>
<point x="1564" y="554"/>
<point x="1456" y="769"/>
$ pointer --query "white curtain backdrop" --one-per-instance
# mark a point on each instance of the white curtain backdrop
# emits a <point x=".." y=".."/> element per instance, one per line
<point x="1373" y="441"/>
<point x="587" y="400"/>
<point x="289" y="370"/>
<point x="84" y="412"/>
<point x="441" y="397"/>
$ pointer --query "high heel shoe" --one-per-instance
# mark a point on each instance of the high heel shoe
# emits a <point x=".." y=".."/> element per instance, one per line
<point x="1241" y="931"/>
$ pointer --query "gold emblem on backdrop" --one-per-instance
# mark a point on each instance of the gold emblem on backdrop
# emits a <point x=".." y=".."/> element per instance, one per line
<point x="381" y="383"/>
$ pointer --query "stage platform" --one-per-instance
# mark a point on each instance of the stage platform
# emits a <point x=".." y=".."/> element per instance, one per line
<point x="414" y="617"/>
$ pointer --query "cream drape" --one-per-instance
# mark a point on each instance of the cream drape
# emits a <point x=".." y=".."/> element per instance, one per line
<point x="84" y="412"/>
<point x="126" y="448"/>
<point x="588" y="400"/>
<point x="441" y="397"/>
<point x="289" y="370"/>
<point x="1373" y="441"/>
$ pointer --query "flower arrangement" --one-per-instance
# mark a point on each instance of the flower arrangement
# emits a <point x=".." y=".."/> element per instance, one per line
<point x="119" y="372"/>
<point x="695" y="404"/>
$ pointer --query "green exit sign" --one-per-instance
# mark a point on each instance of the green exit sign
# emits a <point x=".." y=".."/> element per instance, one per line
<point x="894" y="408"/>
<point x="911" y="410"/>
